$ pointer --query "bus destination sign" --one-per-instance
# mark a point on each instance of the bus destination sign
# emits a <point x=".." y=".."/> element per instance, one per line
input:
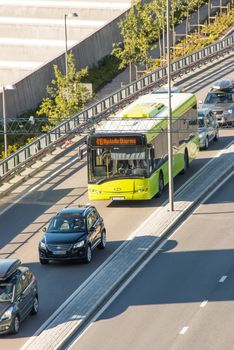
<point x="116" y="141"/>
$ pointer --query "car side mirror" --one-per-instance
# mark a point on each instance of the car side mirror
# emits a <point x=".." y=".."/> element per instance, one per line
<point x="200" y="102"/>
<point x="44" y="229"/>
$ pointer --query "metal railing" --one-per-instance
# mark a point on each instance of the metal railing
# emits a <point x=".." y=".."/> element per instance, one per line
<point x="111" y="104"/>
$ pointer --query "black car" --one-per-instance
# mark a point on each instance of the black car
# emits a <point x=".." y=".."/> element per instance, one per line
<point x="18" y="295"/>
<point x="72" y="234"/>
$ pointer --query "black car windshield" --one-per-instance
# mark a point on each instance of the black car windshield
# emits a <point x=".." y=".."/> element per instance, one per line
<point x="219" y="97"/>
<point x="6" y="292"/>
<point x="67" y="224"/>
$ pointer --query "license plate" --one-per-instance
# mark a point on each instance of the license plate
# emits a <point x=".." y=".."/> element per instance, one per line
<point x="60" y="252"/>
<point x="118" y="198"/>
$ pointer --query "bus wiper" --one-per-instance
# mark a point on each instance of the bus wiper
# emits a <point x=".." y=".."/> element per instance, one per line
<point x="101" y="181"/>
<point x="107" y="179"/>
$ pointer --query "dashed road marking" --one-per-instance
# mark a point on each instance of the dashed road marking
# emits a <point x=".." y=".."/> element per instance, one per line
<point x="203" y="304"/>
<point x="183" y="330"/>
<point x="222" y="279"/>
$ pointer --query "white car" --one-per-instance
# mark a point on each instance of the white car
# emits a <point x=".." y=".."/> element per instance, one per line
<point x="208" y="128"/>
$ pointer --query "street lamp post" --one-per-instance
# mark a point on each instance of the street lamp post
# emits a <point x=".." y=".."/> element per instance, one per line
<point x="65" y="29"/>
<point x="4" y="88"/>
<point x="170" y="150"/>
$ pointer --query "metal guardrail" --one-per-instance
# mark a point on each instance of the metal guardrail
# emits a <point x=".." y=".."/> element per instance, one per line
<point x="110" y="104"/>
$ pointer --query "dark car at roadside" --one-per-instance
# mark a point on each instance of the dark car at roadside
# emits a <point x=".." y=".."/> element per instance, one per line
<point x="72" y="234"/>
<point x="18" y="295"/>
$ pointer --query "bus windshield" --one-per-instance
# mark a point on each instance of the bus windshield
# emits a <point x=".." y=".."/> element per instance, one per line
<point x="117" y="162"/>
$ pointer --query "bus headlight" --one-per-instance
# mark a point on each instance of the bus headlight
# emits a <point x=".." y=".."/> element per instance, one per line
<point x="93" y="191"/>
<point x="142" y="190"/>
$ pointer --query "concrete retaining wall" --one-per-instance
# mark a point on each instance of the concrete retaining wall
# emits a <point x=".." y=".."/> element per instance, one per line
<point x="30" y="90"/>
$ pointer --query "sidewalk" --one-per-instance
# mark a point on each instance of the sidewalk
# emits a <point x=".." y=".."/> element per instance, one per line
<point x="107" y="278"/>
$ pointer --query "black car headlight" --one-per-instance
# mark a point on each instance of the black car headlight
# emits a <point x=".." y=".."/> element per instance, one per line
<point x="79" y="244"/>
<point x="7" y="314"/>
<point x="42" y="245"/>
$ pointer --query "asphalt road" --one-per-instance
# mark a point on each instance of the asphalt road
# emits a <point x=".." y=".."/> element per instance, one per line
<point x="21" y="223"/>
<point x="184" y="297"/>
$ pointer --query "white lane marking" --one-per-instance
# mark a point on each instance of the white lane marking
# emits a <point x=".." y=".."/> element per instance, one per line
<point x="205" y="199"/>
<point x="222" y="279"/>
<point x="38" y="185"/>
<point x="203" y="304"/>
<point x="184" y="330"/>
<point x="206" y="78"/>
<point x="217" y="187"/>
<point x="179" y="190"/>
<point x="202" y="169"/>
<point x="119" y="291"/>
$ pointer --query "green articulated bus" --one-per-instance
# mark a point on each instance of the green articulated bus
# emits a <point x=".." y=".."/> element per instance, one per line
<point x="127" y="154"/>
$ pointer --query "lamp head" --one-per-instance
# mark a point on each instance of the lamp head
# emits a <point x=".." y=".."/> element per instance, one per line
<point x="8" y="87"/>
<point x="73" y="14"/>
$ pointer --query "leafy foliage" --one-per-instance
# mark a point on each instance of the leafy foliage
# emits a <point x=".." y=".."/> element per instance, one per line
<point x="103" y="73"/>
<point x="67" y="95"/>
<point x="144" y="24"/>
<point x="136" y="31"/>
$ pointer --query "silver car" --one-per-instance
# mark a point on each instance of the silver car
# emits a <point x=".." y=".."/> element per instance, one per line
<point x="220" y="99"/>
<point x="208" y="128"/>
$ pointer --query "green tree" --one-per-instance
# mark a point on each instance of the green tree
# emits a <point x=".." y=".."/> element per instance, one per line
<point x="136" y="38"/>
<point x="67" y="95"/>
<point x="158" y="8"/>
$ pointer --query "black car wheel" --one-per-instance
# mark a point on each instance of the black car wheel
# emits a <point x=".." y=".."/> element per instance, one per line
<point x="15" y="325"/>
<point x="35" y="307"/>
<point x="88" y="255"/>
<point x="44" y="261"/>
<point x="102" y="244"/>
